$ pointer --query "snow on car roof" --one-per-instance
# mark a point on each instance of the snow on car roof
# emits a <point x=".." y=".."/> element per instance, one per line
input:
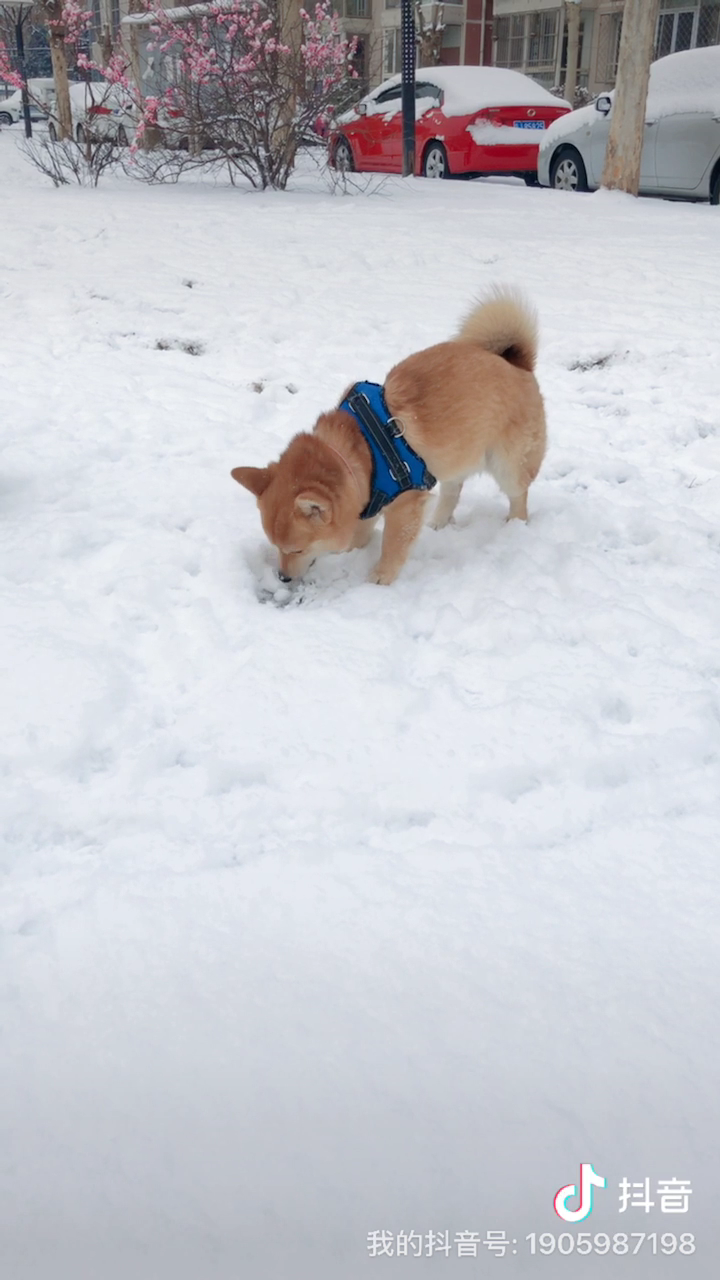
<point x="94" y="91"/>
<point x="468" y="88"/>
<point x="688" y="81"/>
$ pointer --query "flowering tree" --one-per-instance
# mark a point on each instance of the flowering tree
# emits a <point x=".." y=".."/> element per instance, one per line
<point x="8" y="71"/>
<point x="235" y="83"/>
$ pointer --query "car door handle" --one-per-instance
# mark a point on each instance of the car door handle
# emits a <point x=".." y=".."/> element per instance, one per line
<point x="649" y="123"/>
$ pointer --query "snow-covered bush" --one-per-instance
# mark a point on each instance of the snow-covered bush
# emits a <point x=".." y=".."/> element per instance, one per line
<point x="581" y="96"/>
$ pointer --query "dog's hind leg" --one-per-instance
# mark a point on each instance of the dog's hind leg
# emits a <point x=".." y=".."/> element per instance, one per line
<point x="514" y="472"/>
<point x="449" y="495"/>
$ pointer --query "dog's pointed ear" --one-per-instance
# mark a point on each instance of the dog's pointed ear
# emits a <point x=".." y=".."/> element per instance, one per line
<point x="256" y="479"/>
<point x="313" y="505"/>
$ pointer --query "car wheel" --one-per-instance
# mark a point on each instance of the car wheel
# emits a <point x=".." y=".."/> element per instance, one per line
<point x="343" y="156"/>
<point x="5" y="118"/>
<point x="567" y="172"/>
<point x="122" y="138"/>
<point x="435" y="162"/>
<point x="52" y="132"/>
<point x="715" y="189"/>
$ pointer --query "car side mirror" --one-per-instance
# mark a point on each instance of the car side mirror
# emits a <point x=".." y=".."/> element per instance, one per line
<point x="361" y="108"/>
<point x="604" y="104"/>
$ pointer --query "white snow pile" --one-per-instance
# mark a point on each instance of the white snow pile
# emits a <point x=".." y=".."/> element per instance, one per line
<point x="485" y="134"/>
<point x="385" y="909"/>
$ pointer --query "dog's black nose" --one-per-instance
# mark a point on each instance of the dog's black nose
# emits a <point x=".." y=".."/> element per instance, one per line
<point x="283" y="577"/>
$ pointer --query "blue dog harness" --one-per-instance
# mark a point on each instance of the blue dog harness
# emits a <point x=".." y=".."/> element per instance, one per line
<point x="396" y="467"/>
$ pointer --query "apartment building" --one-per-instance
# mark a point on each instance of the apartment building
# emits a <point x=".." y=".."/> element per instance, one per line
<point x="466" y="38"/>
<point x="531" y="36"/>
<point x="526" y="35"/>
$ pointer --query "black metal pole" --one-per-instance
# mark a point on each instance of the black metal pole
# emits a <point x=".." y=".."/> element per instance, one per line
<point x="408" y="87"/>
<point x="20" y="42"/>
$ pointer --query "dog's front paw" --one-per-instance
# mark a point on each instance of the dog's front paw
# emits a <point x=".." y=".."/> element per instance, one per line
<point x="381" y="577"/>
<point x="441" y="522"/>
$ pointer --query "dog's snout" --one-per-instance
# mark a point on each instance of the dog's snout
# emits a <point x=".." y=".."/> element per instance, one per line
<point x="283" y="576"/>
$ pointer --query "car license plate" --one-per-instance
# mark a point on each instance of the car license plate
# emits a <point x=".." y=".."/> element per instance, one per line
<point x="529" y="124"/>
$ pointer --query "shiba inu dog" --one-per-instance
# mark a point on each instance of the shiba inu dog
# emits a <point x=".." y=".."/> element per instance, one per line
<point x="464" y="406"/>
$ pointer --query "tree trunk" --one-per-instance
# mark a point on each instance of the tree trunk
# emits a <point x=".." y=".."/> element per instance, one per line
<point x="627" y="123"/>
<point x="291" y="34"/>
<point x="429" y="37"/>
<point x="106" y="46"/>
<point x="60" y="75"/>
<point x="151" y="136"/>
<point x="572" y="10"/>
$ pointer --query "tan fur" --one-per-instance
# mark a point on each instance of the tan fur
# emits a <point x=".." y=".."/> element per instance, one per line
<point x="468" y="405"/>
<point x="505" y="324"/>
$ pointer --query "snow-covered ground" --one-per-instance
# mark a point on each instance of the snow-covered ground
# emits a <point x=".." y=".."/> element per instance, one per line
<point x="384" y="910"/>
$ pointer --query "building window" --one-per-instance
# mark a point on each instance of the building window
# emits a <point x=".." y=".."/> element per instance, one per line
<point x="354" y="9"/>
<point x="686" y="24"/>
<point x="542" y="38"/>
<point x="391" y="51"/>
<point x="708" y="31"/>
<point x="608" y="47"/>
<point x="510" y="40"/>
<point x="516" y="40"/>
<point x="115" y="16"/>
<point x="527" y="40"/>
<point x="452" y="36"/>
<point x="676" y="30"/>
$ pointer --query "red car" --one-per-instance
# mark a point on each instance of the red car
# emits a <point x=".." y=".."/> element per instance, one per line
<point x="469" y="120"/>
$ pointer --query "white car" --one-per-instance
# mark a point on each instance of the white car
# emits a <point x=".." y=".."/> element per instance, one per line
<point x="681" y="150"/>
<point x="99" y="110"/>
<point x="41" y="94"/>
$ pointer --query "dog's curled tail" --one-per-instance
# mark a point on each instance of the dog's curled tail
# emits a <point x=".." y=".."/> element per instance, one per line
<point x="504" y="322"/>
